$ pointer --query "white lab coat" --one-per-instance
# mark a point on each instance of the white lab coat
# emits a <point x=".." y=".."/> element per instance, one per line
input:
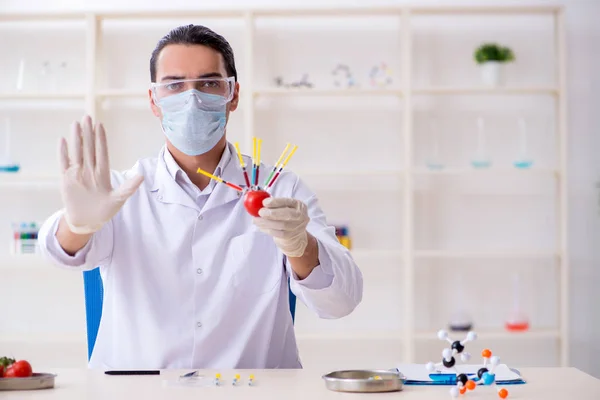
<point x="195" y="285"/>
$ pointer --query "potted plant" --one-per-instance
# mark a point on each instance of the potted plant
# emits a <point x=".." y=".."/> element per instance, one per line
<point x="491" y="57"/>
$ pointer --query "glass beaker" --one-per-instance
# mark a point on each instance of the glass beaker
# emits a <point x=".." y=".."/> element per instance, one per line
<point x="481" y="158"/>
<point x="434" y="161"/>
<point x="523" y="160"/>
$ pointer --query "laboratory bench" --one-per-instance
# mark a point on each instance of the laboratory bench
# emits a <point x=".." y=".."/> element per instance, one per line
<point x="87" y="384"/>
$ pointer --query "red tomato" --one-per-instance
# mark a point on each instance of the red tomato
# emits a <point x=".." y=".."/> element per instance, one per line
<point x="1" y="371"/>
<point x="20" y="369"/>
<point x="253" y="201"/>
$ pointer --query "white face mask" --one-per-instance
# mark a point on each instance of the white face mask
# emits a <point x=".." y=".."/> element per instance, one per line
<point x="193" y="121"/>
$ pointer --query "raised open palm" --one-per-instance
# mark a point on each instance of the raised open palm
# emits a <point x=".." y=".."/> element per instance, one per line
<point x="88" y="196"/>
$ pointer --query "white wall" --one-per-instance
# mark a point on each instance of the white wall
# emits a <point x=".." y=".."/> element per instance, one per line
<point x="455" y="116"/>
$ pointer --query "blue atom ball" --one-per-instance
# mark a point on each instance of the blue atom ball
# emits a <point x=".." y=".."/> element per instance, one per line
<point x="488" y="378"/>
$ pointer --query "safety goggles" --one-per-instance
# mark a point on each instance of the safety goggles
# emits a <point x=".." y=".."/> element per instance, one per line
<point x="220" y="89"/>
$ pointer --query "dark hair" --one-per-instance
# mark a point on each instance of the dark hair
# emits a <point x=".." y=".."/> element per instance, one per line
<point x="195" y="35"/>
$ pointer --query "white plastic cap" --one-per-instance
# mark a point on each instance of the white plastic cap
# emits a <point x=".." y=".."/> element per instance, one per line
<point x="454" y="392"/>
<point x="447" y="354"/>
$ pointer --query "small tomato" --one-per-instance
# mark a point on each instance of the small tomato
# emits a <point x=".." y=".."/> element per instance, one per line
<point x="19" y="369"/>
<point x="253" y="201"/>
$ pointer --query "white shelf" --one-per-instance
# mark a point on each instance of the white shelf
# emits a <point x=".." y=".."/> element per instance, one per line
<point x="41" y="96"/>
<point x="485" y="171"/>
<point x="533" y="90"/>
<point x="28" y="181"/>
<point x="123" y="93"/>
<point x="326" y="92"/>
<point x="44" y="338"/>
<point x="143" y="92"/>
<point x="347" y="173"/>
<point x="507" y="254"/>
<point x="27" y="262"/>
<point x="432" y="336"/>
<point x="292" y="12"/>
<point x="25" y="17"/>
<point x="386" y="335"/>
<point x="187" y="14"/>
<point x="368" y="253"/>
<point x="492" y="10"/>
<point x="497" y="335"/>
<point x="333" y="12"/>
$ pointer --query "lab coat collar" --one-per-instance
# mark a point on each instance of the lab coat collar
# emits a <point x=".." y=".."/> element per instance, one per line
<point x="167" y="190"/>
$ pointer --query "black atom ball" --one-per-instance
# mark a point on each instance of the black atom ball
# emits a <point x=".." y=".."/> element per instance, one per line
<point x="449" y="364"/>
<point x="481" y="372"/>
<point x="458" y="347"/>
<point x="462" y="378"/>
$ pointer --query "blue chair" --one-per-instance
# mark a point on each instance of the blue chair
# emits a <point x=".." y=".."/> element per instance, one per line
<point x="94" y="294"/>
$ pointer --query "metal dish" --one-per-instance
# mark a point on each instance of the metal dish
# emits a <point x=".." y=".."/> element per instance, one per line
<point x="34" y="382"/>
<point x="364" y="381"/>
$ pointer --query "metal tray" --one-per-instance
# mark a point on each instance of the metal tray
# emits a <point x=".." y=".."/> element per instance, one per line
<point x="364" y="381"/>
<point x="34" y="382"/>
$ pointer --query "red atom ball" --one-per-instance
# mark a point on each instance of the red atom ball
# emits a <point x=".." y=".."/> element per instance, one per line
<point x="253" y="201"/>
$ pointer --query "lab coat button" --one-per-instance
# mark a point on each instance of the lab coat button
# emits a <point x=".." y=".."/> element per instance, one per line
<point x="199" y="271"/>
<point x="200" y="217"/>
<point x="199" y="324"/>
<point x="159" y="197"/>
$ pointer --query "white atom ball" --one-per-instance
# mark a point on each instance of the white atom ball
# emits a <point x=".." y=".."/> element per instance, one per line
<point x="447" y="354"/>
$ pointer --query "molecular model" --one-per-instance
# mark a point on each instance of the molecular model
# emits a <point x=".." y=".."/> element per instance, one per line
<point x="347" y="80"/>
<point x="381" y="75"/>
<point x="484" y="376"/>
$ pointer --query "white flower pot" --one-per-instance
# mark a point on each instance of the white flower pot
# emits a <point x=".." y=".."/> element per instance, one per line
<point x="492" y="73"/>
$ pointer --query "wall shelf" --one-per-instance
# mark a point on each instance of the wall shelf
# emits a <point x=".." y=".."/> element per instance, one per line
<point x="497" y="335"/>
<point x="552" y="91"/>
<point x="326" y="92"/>
<point x="486" y="171"/>
<point x="42" y="96"/>
<point x="402" y="132"/>
<point x="123" y="93"/>
<point x="349" y="172"/>
<point x="505" y="254"/>
<point x="28" y="181"/>
<point x="364" y="254"/>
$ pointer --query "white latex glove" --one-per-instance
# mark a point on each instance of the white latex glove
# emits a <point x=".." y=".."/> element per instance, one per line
<point x="285" y="220"/>
<point x="86" y="190"/>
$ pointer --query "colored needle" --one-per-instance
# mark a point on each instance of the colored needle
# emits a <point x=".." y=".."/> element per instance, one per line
<point x="287" y="159"/>
<point x="242" y="164"/>
<point x="253" y="160"/>
<point x="276" y="164"/>
<point x="216" y="178"/>
<point x="259" y="144"/>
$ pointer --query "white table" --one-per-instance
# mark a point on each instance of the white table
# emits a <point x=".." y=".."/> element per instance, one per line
<point x="83" y="384"/>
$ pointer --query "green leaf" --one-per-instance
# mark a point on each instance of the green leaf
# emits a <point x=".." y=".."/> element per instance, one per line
<point x="493" y="52"/>
<point x="7" y="362"/>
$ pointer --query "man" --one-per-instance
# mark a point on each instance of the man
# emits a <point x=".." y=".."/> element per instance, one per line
<point x="191" y="280"/>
